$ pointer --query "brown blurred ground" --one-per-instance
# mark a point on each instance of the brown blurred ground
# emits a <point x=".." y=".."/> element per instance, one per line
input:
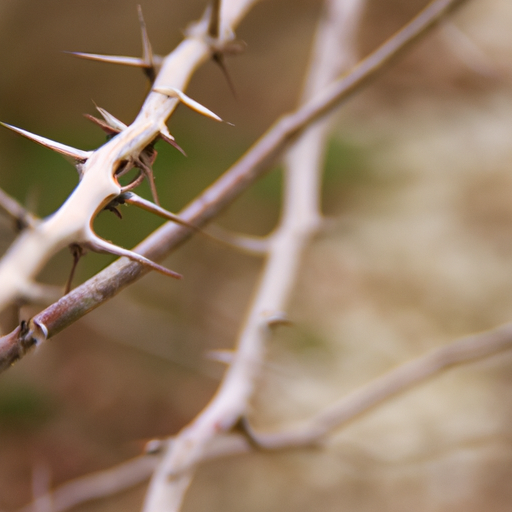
<point x="419" y="252"/>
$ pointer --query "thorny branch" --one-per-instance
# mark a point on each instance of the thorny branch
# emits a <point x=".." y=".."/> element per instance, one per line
<point x="221" y="193"/>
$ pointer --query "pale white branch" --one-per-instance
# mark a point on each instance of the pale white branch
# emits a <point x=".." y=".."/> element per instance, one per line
<point x="298" y="224"/>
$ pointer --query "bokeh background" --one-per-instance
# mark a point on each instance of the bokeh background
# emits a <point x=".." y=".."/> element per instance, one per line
<point x="417" y="252"/>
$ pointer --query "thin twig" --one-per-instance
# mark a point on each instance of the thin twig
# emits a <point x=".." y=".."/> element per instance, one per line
<point x="399" y="380"/>
<point x="96" y="485"/>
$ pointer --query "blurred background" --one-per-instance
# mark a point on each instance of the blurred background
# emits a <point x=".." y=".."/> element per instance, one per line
<point x="417" y="252"/>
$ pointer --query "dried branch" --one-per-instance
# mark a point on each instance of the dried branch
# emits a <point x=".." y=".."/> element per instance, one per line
<point x="465" y="350"/>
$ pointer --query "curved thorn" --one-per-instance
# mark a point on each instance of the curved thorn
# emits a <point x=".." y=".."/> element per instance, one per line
<point x="63" y="149"/>
<point x="100" y="245"/>
<point x="134" y="183"/>
<point x="189" y="102"/>
<point x="167" y="137"/>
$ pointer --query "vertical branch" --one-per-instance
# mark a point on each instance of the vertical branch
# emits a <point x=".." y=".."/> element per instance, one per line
<point x="300" y="220"/>
<point x="333" y="53"/>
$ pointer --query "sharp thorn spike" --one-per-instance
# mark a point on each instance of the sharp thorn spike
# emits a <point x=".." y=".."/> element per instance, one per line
<point x="100" y="245"/>
<point x="111" y="59"/>
<point x="147" y="52"/>
<point x="144" y="204"/>
<point x="218" y="58"/>
<point x="102" y="124"/>
<point x="189" y="102"/>
<point x="167" y="137"/>
<point x="111" y="120"/>
<point x="63" y="149"/>
<point x="175" y="145"/>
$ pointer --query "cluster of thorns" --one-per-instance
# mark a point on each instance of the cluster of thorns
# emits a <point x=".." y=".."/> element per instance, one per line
<point x="144" y="160"/>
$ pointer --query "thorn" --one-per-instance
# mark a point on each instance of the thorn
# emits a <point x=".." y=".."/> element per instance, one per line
<point x="111" y="120"/>
<point x="100" y="245"/>
<point x="147" y="52"/>
<point x="111" y="59"/>
<point x="147" y="63"/>
<point x="219" y="59"/>
<point x="189" y="102"/>
<point x="165" y="134"/>
<point x="148" y="206"/>
<point x="102" y="124"/>
<point x="77" y="154"/>
<point x="135" y="200"/>
<point x="167" y="137"/>
<point x="77" y="252"/>
<point x="134" y="183"/>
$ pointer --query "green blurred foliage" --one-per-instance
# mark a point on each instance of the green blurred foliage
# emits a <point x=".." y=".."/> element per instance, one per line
<point x="23" y="407"/>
